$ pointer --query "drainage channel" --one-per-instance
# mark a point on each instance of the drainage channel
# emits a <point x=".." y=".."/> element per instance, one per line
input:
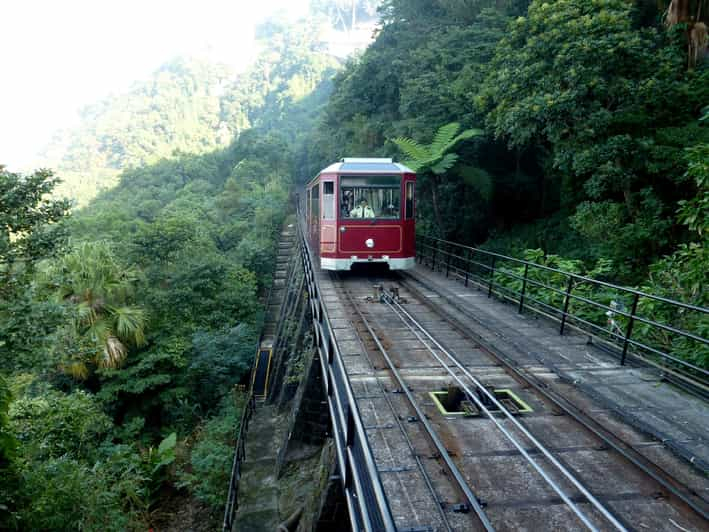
<point x="456" y="474"/>
<point x="428" y="340"/>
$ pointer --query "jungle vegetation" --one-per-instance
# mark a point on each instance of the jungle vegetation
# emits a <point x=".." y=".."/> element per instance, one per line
<point x="572" y="132"/>
<point x="126" y="325"/>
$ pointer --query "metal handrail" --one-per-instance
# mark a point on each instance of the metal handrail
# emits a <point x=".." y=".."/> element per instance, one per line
<point x="459" y="258"/>
<point x="368" y="507"/>
<point x="569" y="274"/>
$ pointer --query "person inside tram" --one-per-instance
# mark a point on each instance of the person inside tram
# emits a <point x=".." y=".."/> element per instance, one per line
<point x="362" y="211"/>
<point x="346" y="205"/>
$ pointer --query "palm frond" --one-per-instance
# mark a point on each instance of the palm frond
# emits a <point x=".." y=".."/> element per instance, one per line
<point x="85" y="314"/>
<point x="447" y="161"/>
<point x="114" y="353"/>
<point x="443" y="137"/>
<point x="99" y="331"/>
<point x="129" y="324"/>
<point x="78" y="370"/>
<point x="413" y="150"/>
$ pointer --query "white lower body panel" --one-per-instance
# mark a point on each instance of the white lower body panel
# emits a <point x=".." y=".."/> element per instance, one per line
<point x="346" y="264"/>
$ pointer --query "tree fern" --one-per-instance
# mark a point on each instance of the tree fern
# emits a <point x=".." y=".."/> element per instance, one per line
<point x="467" y="134"/>
<point x="416" y="152"/>
<point x="435" y="158"/>
<point x="443" y="138"/>
<point x="445" y="163"/>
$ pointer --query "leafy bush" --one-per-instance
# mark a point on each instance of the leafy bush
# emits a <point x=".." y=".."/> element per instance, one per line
<point x="8" y="447"/>
<point x="209" y="469"/>
<point x="546" y="289"/>
<point x="65" y="494"/>
<point x="219" y="359"/>
<point x="57" y="424"/>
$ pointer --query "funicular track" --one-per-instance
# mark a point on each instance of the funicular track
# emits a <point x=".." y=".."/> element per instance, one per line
<point x="549" y="469"/>
<point x="379" y="359"/>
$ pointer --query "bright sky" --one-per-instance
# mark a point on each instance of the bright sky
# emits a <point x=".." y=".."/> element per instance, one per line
<point x="59" y="55"/>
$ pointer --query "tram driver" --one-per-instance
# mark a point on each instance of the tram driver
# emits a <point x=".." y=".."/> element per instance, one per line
<point x="362" y="211"/>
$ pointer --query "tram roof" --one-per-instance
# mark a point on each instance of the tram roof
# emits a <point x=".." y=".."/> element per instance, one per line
<point x="352" y="165"/>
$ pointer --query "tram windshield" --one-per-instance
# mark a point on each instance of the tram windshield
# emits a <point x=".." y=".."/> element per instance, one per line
<point x="370" y="197"/>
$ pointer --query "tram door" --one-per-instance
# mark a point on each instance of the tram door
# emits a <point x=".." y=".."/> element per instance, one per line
<point x="328" y="222"/>
<point x="314" y="215"/>
<point x="409" y="232"/>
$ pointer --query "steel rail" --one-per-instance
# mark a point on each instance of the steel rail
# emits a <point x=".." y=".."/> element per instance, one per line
<point x="424" y="474"/>
<point x="662" y="477"/>
<point x="401" y="313"/>
<point x="440" y="447"/>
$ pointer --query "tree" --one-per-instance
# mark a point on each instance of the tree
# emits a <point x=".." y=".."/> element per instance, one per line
<point x="613" y="106"/>
<point x="8" y="448"/>
<point x="694" y="213"/>
<point x="31" y="229"/>
<point x="104" y="326"/>
<point x="29" y="224"/>
<point x="690" y="13"/>
<point x="345" y="14"/>
<point x="435" y="158"/>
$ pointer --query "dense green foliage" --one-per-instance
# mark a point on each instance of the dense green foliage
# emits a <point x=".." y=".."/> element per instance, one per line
<point x="123" y="344"/>
<point x="189" y="106"/>
<point x="182" y="108"/>
<point x="614" y="128"/>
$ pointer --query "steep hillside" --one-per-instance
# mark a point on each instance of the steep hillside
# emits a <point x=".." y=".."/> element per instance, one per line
<point x="123" y="343"/>
<point x="188" y="106"/>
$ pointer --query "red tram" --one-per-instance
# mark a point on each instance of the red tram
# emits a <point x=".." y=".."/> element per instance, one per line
<point x="362" y="211"/>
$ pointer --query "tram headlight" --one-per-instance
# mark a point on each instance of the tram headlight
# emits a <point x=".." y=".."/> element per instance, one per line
<point x="369" y="243"/>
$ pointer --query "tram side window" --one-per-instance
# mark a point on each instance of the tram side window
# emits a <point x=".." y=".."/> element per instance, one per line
<point x="409" y="200"/>
<point x="307" y="207"/>
<point x="315" y="203"/>
<point x="370" y="197"/>
<point x="328" y="200"/>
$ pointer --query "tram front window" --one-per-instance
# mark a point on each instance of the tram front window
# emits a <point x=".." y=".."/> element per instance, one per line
<point x="370" y="197"/>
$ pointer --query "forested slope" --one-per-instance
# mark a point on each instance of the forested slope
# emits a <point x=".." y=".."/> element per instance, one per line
<point x="124" y="328"/>
<point x="188" y="106"/>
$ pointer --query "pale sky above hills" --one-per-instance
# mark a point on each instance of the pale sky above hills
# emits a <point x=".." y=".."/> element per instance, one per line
<point x="57" y="56"/>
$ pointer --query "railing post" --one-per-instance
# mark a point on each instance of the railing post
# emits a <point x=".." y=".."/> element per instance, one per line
<point x="467" y="265"/>
<point x="566" y="304"/>
<point x="448" y="262"/>
<point x="492" y="276"/>
<point x="524" y="288"/>
<point x="433" y="255"/>
<point x="350" y="434"/>
<point x="629" y="330"/>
